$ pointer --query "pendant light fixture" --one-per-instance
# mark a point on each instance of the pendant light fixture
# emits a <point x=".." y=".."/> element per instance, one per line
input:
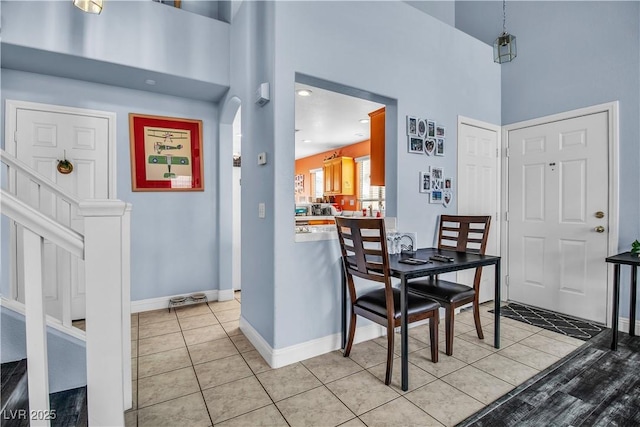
<point x="89" y="6"/>
<point x="504" y="48"/>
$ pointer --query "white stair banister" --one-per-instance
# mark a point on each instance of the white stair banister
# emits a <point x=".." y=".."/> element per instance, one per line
<point x="36" y="328"/>
<point x="104" y="269"/>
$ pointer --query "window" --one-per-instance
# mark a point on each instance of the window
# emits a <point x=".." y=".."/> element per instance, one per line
<point x="368" y="195"/>
<point x="317" y="183"/>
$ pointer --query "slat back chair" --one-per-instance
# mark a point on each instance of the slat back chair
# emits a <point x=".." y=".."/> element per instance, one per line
<point x="461" y="234"/>
<point x="363" y="246"/>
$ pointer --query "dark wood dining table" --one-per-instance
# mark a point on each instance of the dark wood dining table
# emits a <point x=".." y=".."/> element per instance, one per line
<point x="406" y="272"/>
<point x="632" y="260"/>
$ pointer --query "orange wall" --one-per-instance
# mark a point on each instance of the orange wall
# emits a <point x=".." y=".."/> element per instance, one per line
<point x="316" y="161"/>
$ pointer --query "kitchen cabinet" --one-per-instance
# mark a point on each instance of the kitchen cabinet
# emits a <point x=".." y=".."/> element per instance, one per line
<point x="376" y="127"/>
<point x="339" y="176"/>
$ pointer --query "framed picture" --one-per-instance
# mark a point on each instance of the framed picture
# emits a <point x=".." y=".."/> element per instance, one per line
<point x="412" y="126"/>
<point x="436" y="173"/>
<point x="447" y="196"/>
<point x="416" y="145"/>
<point x="166" y="153"/>
<point x="422" y="128"/>
<point x="425" y="182"/>
<point x="436" y="196"/>
<point x="448" y="184"/>
<point x="431" y="129"/>
<point x="429" y="146"/>
<point x="440" y="131"/>
<point x="439" y="147"/>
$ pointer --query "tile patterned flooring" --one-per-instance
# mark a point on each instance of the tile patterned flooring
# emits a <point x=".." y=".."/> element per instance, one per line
<point x="194" y="367"/>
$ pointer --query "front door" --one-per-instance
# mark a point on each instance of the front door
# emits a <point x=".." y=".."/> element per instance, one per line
<point x="42" y="138"/>
<point x="478" y="194"/>
<point x="558" y="218"/>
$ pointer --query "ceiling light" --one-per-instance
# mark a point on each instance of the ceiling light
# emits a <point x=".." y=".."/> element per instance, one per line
<point x="304" y="92"/>
<point x="504" y="47"/>
<point x="359" y="134"/>
<point x="89" y="6"/>
<point x="306" y="141"/>
<point x="364" y="120"/>
<point x="150" y="82"/>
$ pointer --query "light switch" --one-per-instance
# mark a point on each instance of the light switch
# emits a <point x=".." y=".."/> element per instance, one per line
<point x="262" y="158"/>
<point x="351" y="202"/>
<point x="261" y="210"/>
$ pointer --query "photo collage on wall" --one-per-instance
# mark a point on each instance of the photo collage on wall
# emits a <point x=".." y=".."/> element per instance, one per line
<point x="439" y="189"/>
<point x="425" y="136"/>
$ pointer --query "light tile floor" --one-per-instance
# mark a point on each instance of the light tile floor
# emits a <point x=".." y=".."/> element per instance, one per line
<point x="194" y="367"/>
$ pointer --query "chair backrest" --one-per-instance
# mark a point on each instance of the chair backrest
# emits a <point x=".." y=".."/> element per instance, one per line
<point x="363" y="244"/>
<point x="464" y="233"/>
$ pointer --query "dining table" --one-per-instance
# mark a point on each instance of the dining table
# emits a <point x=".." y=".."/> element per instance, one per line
<point x="405" y="272"/>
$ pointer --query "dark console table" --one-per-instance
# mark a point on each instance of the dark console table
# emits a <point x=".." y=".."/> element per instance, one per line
<point x="633" y="260"/>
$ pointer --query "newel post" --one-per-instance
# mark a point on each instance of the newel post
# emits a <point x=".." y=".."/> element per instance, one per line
<point x="104" y="221"/>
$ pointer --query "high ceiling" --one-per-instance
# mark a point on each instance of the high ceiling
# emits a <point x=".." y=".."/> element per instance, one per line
<point x="328" y="120"/>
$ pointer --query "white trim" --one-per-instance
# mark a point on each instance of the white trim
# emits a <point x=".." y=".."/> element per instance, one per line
<point x="53" y="323"/>
<point x="226" y="294"/>
<point x="163" y="302"/>
<point x="623" y="325"/>
<point x="362" y="159"/>
<point x="611" y="108"/>
<point x="462" y="120"/>
<point x="279" y="357"/>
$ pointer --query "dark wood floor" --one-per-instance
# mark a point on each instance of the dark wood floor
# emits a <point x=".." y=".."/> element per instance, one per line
<point x="593" y="386"/>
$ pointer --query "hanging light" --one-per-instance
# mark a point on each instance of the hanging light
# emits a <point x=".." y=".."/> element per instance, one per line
<point x="89" y="6"/>
<point x="504" y="48"/>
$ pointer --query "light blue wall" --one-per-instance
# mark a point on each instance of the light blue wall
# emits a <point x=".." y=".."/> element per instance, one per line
<point x="67" y="360"/>
<point x="571" y="55"/>
<point x="441" y="10"/>
<point x="387" y="49"/>
<point x="173" y="235"/>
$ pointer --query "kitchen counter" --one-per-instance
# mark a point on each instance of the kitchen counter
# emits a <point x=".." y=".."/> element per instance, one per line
<point x="317" y="233"/>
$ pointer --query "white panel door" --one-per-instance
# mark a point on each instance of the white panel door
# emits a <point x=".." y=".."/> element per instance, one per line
<point x="558" y="182"/>
<point x="478" y="192"/>
<point x="42" y="139"/>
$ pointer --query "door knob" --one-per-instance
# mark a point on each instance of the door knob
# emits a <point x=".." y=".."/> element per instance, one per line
<point x="599" y="229"/>
<point x="599" y="214"/>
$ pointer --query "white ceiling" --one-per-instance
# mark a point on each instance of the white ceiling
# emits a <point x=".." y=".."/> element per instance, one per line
<point x="330" y="120"/>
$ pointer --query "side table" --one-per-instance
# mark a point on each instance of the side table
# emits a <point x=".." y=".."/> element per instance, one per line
<point x="626" y="258"/>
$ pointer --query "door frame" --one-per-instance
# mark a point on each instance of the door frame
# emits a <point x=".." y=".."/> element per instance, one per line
<point x="11" y="113"/>
<point x="462" y="120"/>
<point x="611" y="108"/>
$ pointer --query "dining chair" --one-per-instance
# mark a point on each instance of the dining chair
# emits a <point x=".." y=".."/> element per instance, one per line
<point x="363" y="245"/>
<point x="461" y="234"/>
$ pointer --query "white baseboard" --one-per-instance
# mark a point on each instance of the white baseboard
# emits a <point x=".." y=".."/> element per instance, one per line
<point x="623" y="325"/>
<point x="277" y="358"/>
<point x="163" y="302"/>
<point x="225" y="295"/>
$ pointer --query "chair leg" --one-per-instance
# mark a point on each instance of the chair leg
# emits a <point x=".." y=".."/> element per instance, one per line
<point x="433" y="335"/>
<point x="476" y="318"/>
<point x="390" y="337"/>
<point x="352" y="332"/>
<point x="448" y="323"/>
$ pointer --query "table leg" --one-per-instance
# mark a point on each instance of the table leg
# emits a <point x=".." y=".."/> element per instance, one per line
<point x="343" y="285"/>
<point x="404" y="330"/>
<point x="496" y="308"/>
<point x="615" y="308"/>
<point x="634" y="283"/>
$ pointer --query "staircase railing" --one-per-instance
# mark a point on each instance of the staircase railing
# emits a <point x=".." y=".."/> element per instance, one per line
<point x="104" y="247"/>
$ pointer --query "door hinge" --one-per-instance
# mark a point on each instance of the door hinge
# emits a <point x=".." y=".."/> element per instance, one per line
<point x="506" y="281"/>
<point x="506" y="216"/>
<point x="506" y="152"/>
<point x="15" y="136"/>
<point x="497" y="152"/>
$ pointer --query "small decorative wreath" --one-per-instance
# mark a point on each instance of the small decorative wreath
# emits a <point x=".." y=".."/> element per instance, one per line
<point x="65" y="167"/>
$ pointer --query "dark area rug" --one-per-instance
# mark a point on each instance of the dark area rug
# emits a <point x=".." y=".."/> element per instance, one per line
<point x="593" y="386"/>
<point x="562" y="324"/>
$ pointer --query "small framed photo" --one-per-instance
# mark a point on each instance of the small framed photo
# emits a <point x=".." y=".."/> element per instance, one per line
<point x="429" y="146"/>
<point x="439" y="147"/>
<point x="431" y="129"/>
<point x="412" y="126"/>
<point x="436" y="196"/>
<point x="422" y="128"/>
<point x="436" y="173"/>
<point x="425" y="182"/>
<point x="448" y="184"/>
<point x="447" y="196"/>
<point x="416" y="144"/>
<point x="440" y="131"/>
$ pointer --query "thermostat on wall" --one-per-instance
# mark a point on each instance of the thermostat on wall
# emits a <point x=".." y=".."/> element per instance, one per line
<point x="262" y="94"/>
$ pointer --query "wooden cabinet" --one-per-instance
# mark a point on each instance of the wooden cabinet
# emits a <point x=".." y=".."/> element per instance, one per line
<point x="339" y="176"/>
<point x="376" y="126"/>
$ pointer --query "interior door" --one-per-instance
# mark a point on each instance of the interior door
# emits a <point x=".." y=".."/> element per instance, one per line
<point x="558" y="216"/>
<point x="478" y="191"/>
<point x="42" y="139"/>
